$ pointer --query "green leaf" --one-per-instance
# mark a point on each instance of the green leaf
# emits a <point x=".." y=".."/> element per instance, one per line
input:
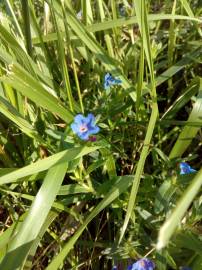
<point x="45" y="164"/>
<point x="73" y="189"/>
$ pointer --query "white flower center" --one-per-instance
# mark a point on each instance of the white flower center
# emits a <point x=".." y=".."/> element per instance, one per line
<point x="142" y="263"/>
<point x="83" y="128"/>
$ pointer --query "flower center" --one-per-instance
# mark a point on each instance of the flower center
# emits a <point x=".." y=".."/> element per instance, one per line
<point x="83" y="128"/>
<point x="142" y="263"/>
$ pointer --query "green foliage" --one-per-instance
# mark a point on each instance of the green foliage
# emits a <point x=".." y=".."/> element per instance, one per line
<point x="72" y="204"/>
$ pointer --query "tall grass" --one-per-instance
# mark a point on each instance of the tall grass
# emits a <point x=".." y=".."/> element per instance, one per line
<point x="67" y="203"/>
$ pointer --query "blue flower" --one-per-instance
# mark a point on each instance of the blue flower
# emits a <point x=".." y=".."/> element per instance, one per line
<point x="110" y="80"/>
<point x="114" y="267"/>
<point x="142" y="264"/>
<point x="186" y="268"/>
<point x="83" y="126"/>
<point x="185" y="168"/>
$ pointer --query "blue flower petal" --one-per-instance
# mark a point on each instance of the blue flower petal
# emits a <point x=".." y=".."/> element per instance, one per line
<point x="79" y="119"/>
<point x="106" y="85"/>
<point x="83" y="135"/>
<point x="185" y="168"/>
<point x="107" y="76"/>
<point x="142" y="264"/>
<point x="75" y="128"/>
<point x="93" y="130"/>
<point x="90" y="119"/>
<point x="110" y="80"/>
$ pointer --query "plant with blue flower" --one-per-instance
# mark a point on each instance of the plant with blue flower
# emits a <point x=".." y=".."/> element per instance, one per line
<point x="110" y="80"/>
<point x="142" y="264"/>
<point x="185" y="168"/>
<point x="84" y="127"/>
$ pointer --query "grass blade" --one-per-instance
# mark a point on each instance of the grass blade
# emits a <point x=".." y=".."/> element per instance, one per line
<point x="170" y="225"/>
<point x="22" y="81"/>
<point x="109" y="24"/>
<point x="45" y="164"/>
<point x="188" y="133"/>
<point x="20" y="245"/>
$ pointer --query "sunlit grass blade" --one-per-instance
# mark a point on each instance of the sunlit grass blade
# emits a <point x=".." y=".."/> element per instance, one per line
<point x="187" y="59"/>
<point x="8" y="59"/>
<point x="18" y="48"/>
<point x="189" y="11"/>
<point x="52" y="215"/>
<point x="188" y="132"/>
<point x="140" y="81"/>
<point x="189" y="92"/>
<point x="57" y="206"/>
<point x="62" y="59"/>
<point x="170" y="225"/>
<point x="18" y="27"/>
<point x="23" y="82"/>
<point x="106" y="34"/>
<point x="26" y="17"/>
<point x="8" y="234"/>
<point x="45" y="164"/>
<point x="42" y="51"/>
<point x="87" y="12"/>
<point x="109" y="24"/>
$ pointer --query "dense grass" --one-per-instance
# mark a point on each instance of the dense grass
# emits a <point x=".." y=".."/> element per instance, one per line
<point x="68" y="203"/>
